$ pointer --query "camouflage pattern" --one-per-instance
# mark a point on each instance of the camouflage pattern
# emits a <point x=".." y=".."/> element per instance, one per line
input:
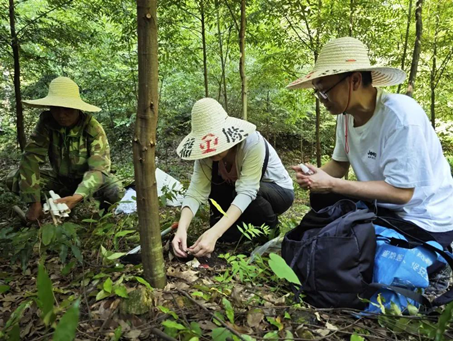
<point x="79" y="156"/>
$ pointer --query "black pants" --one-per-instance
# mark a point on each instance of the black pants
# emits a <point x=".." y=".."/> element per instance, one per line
<point x="271" y="201"/>
<point x="319" y="201"/>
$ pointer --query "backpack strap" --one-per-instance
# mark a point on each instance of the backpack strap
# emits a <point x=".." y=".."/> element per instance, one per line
<point x="266" y="158"/>
<point x="447" y="296"/>
<point x="405" y="292"/>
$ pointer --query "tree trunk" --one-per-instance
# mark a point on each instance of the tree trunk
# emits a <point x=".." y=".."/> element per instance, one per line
<point x="15" y="46"/>
<point x="351" y="18"/>
<point x="145" y="144"/>
<point x="203" y="38"/>
<point x="242" y="61"/>
<point x="406" y="39"/>
<point x="417" y="48"/>
<point x="222" y="60"/>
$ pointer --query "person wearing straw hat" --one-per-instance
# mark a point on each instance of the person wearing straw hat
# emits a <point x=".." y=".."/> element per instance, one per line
<point x="237" y="168"/>
<point x="386" y="138"/>
<point x="77" y="148"/>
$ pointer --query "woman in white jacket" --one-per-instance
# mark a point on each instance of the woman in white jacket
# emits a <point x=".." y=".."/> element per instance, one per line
<point x="236" y="167"/>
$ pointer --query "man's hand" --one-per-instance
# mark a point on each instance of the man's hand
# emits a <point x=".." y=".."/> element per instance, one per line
<point x="319" y="182"/>
<point x="70" y="201"/>
<point x="204" y="246"/>
<point x="179" y="243"/>
<point x="34" y="211"/>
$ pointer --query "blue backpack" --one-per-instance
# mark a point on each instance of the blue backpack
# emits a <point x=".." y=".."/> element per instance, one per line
<point x="333" y="252"/>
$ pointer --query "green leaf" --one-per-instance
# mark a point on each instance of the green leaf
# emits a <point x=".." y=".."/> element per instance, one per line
<point x="121" y="291"/>
<point x="228" y="310"/>
<point x="17" y="314"/>
<point x="221" y="334"/>
<point x="117" y="334"/>
<point x="355" y="337"/>
<point x="271" y="335"/>
<point x="173" y="325"/>
<point x="4" y="288"/>
<point x="14" y="333"/>
<point x="219" y="316"/>
<point x="45" y="294"/>
<point x="76" y="252"/>
<point x="67" y="326"/>
<point x="144" y="282"/>
<point x="116" y="255"/>
<point x="282" y="270"/>
<point x="47" y="232"/>
<point x="219" y="208"/>
<point x="196" y="328"/>
<point x="89" y="221"/>
<point x="166" y="310"/>
<point x="101" y="295"/>
<point x="68" y="267"/>
<point x="108" y="285"/>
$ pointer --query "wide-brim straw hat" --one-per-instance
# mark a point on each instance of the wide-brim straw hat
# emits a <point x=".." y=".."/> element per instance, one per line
<point x="213" y="131"/>
<point x="346" y="55"/>
<point x="63" y="92"/>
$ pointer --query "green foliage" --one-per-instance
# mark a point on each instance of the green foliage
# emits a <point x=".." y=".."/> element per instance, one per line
<point x="67" y="326"/>
<point x="282" y="270"/>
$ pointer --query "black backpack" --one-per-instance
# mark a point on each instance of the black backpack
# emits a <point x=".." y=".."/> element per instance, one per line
<point x="332" y="252"/>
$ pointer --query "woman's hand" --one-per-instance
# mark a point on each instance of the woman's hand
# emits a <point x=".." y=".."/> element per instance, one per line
<point x="205" y="245"/>
<point x="179" y="243"/>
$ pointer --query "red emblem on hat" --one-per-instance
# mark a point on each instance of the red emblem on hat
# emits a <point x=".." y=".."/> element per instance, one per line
<point x="310" y="74"/>
<point x="350" y="60"/>
<point x="206" y="145"/>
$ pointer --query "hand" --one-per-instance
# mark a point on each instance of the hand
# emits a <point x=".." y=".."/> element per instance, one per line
<point x="179" y="243"/>
<point x="34" y="211"/>
<point x="70" y="201"/>
<point x="204" y="246"/>
<point x="319" y="182"/>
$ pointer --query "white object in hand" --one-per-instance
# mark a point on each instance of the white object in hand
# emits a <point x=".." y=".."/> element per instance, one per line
<point x="305" y="169"/>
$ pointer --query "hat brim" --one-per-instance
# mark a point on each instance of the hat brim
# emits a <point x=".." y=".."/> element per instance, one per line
<point x="73" y="103"/>
<point x="381" y="76"/>
<point x="197" y="146"/>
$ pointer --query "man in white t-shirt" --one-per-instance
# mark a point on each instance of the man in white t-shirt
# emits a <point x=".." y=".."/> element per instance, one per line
<point x="386" y="138"/>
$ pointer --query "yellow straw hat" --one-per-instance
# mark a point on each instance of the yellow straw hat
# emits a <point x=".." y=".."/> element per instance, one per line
<point x="63" y="92"/>
<point x="213" y="131"/>
<point x="346" y="55"/>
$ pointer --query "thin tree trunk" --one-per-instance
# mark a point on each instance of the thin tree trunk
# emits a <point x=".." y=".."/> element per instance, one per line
<point x="318" y="110"/>
<point x="15" y="46"/>
<point x="242" y="61"/>
<point x="222" y="61"/>
<point x="406" y="39"/>
<point x="417" y="48"/>
<point x="351" y="18"/>
<point x="203" y="37"/>
<point x="145" y="144"/>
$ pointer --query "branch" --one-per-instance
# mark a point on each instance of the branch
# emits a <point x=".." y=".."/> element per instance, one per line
<point x="443" y="66"/>
<point x="232" y="15"/>
<point x="42" y="15"/>
<point x="297" y="33"/>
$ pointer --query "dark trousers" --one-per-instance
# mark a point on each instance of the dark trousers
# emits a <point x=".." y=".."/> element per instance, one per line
<point x="319" y="201"/>
<point x="271" y="201"/>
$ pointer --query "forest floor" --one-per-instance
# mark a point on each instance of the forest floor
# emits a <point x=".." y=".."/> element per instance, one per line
<point x="223" y="298"/>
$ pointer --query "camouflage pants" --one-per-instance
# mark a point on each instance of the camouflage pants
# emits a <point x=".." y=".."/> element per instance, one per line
<point x="109" y="193"/>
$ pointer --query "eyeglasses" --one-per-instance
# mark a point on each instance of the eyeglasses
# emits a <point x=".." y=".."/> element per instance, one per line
<point x="323" y="94"/>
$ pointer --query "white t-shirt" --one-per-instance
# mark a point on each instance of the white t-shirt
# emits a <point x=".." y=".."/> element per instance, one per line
<point x="399" y="146"/>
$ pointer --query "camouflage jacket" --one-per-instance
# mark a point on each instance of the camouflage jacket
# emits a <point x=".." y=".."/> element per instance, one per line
<point x="80" y="153"/>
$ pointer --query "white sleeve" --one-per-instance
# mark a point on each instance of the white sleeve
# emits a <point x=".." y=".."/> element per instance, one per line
<point x="248" y="183"/>
<point x="339" y="153"/>
<point x="200" y="185"/>
<point x="405" y="158"/>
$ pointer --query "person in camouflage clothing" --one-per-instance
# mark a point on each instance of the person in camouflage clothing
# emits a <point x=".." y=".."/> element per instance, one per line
<point x="78" y="151"/>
